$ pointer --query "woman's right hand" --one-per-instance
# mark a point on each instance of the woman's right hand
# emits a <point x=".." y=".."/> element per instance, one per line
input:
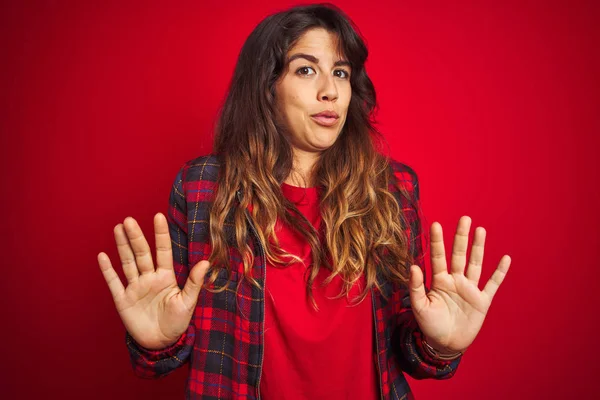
<point x="153" y="309"/>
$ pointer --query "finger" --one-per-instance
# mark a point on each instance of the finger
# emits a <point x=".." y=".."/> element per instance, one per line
<point x="497" y="277"/>
<point x="416" y="286"/>
<point x="459" y="249"/>
<point x="110" y="275"/>
<point x="476" y="259"/>
<point x="191" y="289"/>
<point x="126" y="254"/>
<point x="164" y="253"/>
<point x="139" y="246"/>
<point x="438" y="253"/>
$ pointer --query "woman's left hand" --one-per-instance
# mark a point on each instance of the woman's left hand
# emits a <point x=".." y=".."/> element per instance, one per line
<point x="451" y="314"/>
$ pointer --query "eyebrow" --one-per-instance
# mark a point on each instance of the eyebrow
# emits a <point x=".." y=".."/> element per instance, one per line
<point x="315" y="60"/>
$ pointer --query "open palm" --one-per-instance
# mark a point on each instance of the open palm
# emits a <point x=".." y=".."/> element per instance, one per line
<point x="451" y="314"/>
<point x="154" y="310"/>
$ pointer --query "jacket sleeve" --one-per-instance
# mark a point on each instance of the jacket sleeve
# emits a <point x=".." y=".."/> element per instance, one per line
<point x="413" y="358"/>
<point x="152" y="364"/>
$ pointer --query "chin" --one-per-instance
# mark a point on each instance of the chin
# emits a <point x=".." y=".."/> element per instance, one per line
<point x="324" y="144"/>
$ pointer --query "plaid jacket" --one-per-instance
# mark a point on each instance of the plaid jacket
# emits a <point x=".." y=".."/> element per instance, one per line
<point x="224" y="341"/>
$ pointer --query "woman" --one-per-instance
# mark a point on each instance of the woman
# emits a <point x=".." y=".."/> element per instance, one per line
<point x="296" y="190"/>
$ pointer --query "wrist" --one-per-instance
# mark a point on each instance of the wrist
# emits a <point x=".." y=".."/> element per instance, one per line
<point x="440" y="352"/>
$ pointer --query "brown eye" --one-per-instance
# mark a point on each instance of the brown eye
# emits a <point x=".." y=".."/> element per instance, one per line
<point x="342" y="73"/>
<point x="304" y="70"/>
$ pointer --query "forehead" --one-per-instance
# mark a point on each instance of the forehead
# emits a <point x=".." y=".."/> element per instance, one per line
<point x="319" y="43"/>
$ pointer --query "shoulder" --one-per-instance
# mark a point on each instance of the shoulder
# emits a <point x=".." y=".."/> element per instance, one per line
<point x="200" y="169"/>
<point x="404" y="176"/>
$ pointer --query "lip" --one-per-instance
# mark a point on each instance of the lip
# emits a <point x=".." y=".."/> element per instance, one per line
<point x="326" y="113"/>
<point x="326" y="118"/>
<point x="324" y="121"/>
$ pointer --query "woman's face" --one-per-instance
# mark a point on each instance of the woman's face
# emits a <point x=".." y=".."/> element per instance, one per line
<point x="316" y="81"/>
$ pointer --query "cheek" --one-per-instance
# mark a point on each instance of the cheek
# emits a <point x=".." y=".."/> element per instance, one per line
<point x="348" y="96"/>
<point x="295" y="108"/>
<point x="295" y="100"/>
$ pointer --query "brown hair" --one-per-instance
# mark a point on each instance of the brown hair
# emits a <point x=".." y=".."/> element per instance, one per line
<point x="362" y="222"/>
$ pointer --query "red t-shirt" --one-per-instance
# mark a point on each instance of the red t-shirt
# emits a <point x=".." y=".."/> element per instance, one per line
<point x="325" y="354"/>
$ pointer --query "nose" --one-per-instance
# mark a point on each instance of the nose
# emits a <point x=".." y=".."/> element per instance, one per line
<point x="327" y="89"/>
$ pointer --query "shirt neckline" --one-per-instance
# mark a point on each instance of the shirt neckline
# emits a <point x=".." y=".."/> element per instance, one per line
<point x="300" y="195"/>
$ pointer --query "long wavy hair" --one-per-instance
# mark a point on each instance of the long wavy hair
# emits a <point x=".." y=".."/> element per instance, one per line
<point x="362" y="230"/>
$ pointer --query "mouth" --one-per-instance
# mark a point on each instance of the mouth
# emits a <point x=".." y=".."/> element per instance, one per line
<point x="327" y="118"/>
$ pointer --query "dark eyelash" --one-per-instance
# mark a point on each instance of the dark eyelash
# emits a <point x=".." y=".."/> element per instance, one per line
<point x="343" y="70"/>
<point x="346" y="72"/>
<point x="306" y="66"/>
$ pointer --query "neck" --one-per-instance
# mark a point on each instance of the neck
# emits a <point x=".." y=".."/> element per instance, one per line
<point x="302" y="174"/>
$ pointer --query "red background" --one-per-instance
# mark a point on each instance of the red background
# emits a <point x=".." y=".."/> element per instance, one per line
<point x="494" y="104"/>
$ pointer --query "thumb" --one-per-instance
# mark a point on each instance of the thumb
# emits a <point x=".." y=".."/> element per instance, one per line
<point x="416" y="286"/>
<point x="194" y="282"/>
